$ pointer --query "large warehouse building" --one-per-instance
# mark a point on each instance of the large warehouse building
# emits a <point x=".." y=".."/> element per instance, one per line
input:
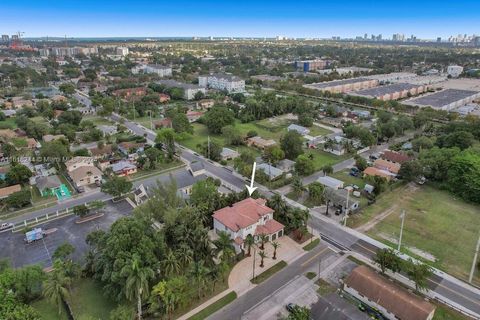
<point x="446" y="99"/>
<point x="391" y="92"/>
<point x="343" y="86"/>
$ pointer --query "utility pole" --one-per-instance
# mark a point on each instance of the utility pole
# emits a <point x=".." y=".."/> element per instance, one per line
<point x="319" y="267"/>
<point x="347" y="208"/>
<point x="208" y="147"/>
<point x="401" y="230"/>
<point x="474" y="263"/>
<point x="254" y="255"/>
<point x="151" y="122"/>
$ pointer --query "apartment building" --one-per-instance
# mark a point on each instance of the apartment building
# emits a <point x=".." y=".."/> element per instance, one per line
<point x="161" y="71"/>
<point x="189" y="90"/>
<point x="227" y="82"/>
<point x="312" y="65"/>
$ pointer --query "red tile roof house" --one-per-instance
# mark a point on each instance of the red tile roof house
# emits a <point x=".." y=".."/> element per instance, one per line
<point x="395" y="157"/>
<point x="249" y="216"/>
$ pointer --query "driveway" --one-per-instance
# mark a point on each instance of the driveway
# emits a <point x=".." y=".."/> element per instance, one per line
<point x="242" y="272"/>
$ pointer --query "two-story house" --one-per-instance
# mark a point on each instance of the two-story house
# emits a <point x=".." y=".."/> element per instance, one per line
<point x="247" y="217"/>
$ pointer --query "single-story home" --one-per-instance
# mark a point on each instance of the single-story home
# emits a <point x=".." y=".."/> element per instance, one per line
<point x="330" y="182"/>
<point x="108" y="129"/>
<point x="163" y="123"/>
<point x="77" y="162"/>
<point x="228" y="154"/>
<point x="196" y="168"/>
<point x="260" y="143"/>
<point x="392" y="300"/>
<point x="286" y="165"/>
<point x="395" y="157"/>
<point x="5" y="192"/>
<point x="339" y="198"/>
<point x="372" y="171"/>
<point x="99" y="153"/>
<point x="387" y="165"/>
<point x="194" y="115"/>
<point x="123" y="168"/>
<point x="271" y="171"/>
<point x="301" y="130"/>
<point x="51" y="137"/>
<point x="130" y="147"/>
<point x="48" y="185"/>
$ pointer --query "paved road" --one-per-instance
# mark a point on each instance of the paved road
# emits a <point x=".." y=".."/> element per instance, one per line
<point x="254" y="297"/>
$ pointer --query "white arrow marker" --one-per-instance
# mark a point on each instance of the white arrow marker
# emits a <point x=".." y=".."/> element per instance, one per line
<point x="251" y="188"/>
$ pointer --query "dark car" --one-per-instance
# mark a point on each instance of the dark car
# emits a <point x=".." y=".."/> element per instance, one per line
<point x="291" y="307"/>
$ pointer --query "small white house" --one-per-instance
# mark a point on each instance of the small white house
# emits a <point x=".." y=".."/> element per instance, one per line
<point x="330" y="182"/>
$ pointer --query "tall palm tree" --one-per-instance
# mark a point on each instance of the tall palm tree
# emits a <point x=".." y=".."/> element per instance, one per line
<point x="277" y="204"/>
<point x="262" y="255"/>
<point x="170" y="264"/>
<point x="55" y="288"/>
<point x="199" y="274"/>
<point x="184" y="255"/>
<point x="297" y="186"/>
<point x="137" y="286"/>
<point x="275" y="246"/>
<point x="249" y="242"/>
<point x="224" y="246"/>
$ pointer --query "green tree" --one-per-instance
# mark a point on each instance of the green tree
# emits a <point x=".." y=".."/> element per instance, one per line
<point x="67" y="88"/>
<point x="19" y="199"/>
<point x="117" y="186"/>
<point x="411" y="170"/>
<point x="199" y="274"/>
<point x="360" y="162"/>
<point x="388" y="259"/>
<point x="316" y="192"/>
<point x="63" y="251"/>
<point x="137" y="281"/>
<point x="249" y="242"/>
<point x="224" y="246"/>
<point x="299" y="313"/>
<point x="18" y="173"/>
<point x="81" y="210"/>
<point x="55" y="288"/>
<point x="232" y="135"/>
<point x="418" y="273"/>
<point x="304" y="165"/>
<point x="273" y="154"/>
<point x="262" y="255"/>
<point x="166" y="137"/>
<point x="218" y="117"/>
<point x="297" y="186"/>
<point x="275" y="246"/>
<point x="291" y="143"/>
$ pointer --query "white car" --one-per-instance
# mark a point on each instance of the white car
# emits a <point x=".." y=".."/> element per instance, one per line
<point x="5" y="226"/>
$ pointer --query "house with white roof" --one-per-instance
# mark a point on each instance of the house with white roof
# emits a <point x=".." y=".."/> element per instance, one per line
<point x="301" y="130"/>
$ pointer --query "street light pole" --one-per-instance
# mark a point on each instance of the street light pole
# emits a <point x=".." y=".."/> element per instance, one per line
<point x="475" y="257"/>
<point x="347" y="208"/>
<point x="254" y="255"/>
<point x="401" y="230"/>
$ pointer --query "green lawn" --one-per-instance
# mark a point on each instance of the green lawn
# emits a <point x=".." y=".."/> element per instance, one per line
<point x="214" y="307"/>
<point x="318" y="131"/>
<point x="322" y="158"/>
<point x="8" y="123"/>
<point x="345" y="176"/>
<point x="89" y="302"/>
<point x="97" y="120"/>
<point x="311" y="245"/>
<point x="436" y="222"/>
<point x="444" y="313"/>
<point x="48" y="311"/>
<point x="269" y="272"/>
<point x="310" y="275"/>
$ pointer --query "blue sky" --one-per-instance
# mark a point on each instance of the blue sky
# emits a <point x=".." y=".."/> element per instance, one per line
<point x="107" y="18"/>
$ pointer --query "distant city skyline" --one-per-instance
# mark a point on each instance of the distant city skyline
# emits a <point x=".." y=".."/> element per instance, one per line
<point x="299" y="19"/>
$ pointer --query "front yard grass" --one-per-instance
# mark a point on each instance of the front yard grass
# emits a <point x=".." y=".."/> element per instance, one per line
<point x="436" y="222"/>
<point x="311" y="245"/>
<point x="48" y="311"/>
<point x="214" y="307"/>
<point x="322" y="158"/>
<point x="88" y="301"/>
<point x="345" y="176"/>
<point x="269" y="272"/>
<point x="445" y="313"/>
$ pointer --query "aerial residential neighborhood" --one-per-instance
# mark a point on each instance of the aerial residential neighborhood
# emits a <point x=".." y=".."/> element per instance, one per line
<point x="240" y="160"/>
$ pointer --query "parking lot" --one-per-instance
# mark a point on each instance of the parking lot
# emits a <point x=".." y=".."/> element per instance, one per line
<point x="12" y="245"/>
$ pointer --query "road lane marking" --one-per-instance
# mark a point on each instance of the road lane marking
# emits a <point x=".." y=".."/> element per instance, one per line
<point x="315" y="256"/>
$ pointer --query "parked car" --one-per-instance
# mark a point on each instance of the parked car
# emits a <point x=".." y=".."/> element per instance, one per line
<point x="290" y="307"/>
<point x="5" y="226"/>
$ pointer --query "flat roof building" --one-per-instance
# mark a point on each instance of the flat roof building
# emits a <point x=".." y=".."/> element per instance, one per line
<point x="227" y="82"/>
<point x="392" y="91"/>
<point x="343" y="86"/>
<point x="446" y="99"/>
<point x="189" y="90"/>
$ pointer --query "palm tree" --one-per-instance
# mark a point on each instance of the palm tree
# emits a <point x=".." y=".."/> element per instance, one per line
<point x="249" y="242"/>
<point x="263" y="239"/>
<point x="199" y="273"/>
<point x="170" y="264"/>
<point x="297" y="186"/>
<point x="224" y="246"/>
<point x="184" y="255"/>
<point x="277" y="204"/>
<point x="275" y="246"/>
<point x="327" y="169"/>
<point x="55" y="288"/>
<point x="136" y="286"/>
<point x="262" y="255"/>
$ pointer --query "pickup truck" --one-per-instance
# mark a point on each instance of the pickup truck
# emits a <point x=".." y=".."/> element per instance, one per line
<point x="34" y="235"/>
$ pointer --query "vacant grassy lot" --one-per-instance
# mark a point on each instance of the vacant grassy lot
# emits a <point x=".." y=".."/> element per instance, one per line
<point x="49" y="311"/>
<point x="88" y="302"/>
<point x="345" y="176"/>
<point x="322" y="158"/>
<point x="436" y="222"/>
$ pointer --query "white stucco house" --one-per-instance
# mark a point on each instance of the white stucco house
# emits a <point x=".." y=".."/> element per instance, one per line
<point x="247" y="217"/>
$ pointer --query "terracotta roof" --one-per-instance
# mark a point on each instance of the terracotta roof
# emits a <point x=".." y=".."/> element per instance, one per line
<point x="242" y="214"/>
<point x="387" y="165"/>
<point x="395" y="156"/>
<point x="5" y="192"/>
<point x="271" y="226"/>
<point x="395" y="299"/>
